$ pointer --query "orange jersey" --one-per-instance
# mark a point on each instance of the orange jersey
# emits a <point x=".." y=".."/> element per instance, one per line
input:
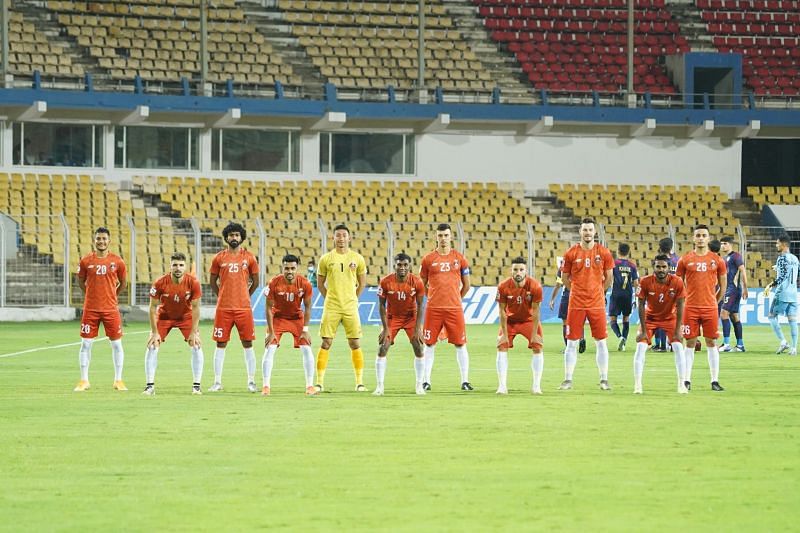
<point x="102" y="276"/>
<point x="234" y="270"/>
<point x="176" y="298"/>
<point x="400" y="296"/>
<point x="586" y="269"/>
<point x="661" y="299"/>
<point x="701" y="277"/>
<point x="519" y="300"/>
<point x="442" y="274"/>
<point x="287" y="298"/>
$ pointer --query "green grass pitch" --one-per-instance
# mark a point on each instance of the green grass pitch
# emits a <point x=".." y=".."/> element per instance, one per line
<point x="578" y="460"/>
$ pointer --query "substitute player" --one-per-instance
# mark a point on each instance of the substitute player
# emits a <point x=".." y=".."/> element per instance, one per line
<point x="735" y="293"/>
<point x="704" y="275"/>
<point x="174" y="303"/>
<point x="288" y="295"/>
<point x="519" y="300"/>
<point x="101" y="277"/>
<point x="587" y="273"/>
<point x="234" y="278"/>
<point x="341" y="278"/>
<point x="784" y="288"/>
<point x="661" y="298"/>
<point x="400" y="297"/>
<point x="626" y="279"/>
<point x="445" y="273"/>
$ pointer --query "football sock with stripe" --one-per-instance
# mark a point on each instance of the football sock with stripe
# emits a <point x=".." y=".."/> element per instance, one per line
<point x="638" y="363"/>
<point x="85" y="357"/>
<point x="570" y="359"/>
<point x="419" y="369"/>
<point x="615" y="328"/>
<point x="150" y="364"/>
<point x="680" y="361"/>
<point x="357" y="357"/>
<point x="601" y="357"/>
<point x="726" y="330"/>
<point x="380" y="370"/>
<point x="502" y="369"/>
<point x="197" y="364"/>
<point x="626" y="328"/>
<point x="688" y="353"/>
<point x="118" y="356"/>
<point x="713" y="362"/>
<point x="308" y="364"/>
<point x="250" y="363"/>
<point x="737" y="331"/>
<point x="537" y="365"/>
<point x="462" y="356"/>
<point x="219" y="361"/>
<point x="429" y="354"/>
<point x="266" y="363"/>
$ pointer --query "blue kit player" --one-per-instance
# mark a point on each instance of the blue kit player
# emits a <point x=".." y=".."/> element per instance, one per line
<point x="734" y="294"/>
<point x="626" y="279"/>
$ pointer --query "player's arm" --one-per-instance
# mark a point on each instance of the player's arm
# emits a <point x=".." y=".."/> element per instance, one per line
<point x="268" y="314"/>
<point x="307" y="299"/>
<point x="722" y="279"/>
<point x="642" y="336"/>
<point x="609" y="279"/>
<point x="82" y="283"/>
<point x="464" y="284"/>
<point x="154" y="341"/>
<point x="503" y="323"/>
<point x="743" y="280"/>
<point x="253" y="283"/>
<point x="214" y="281"/>
<point x="323" y="290"/>
<point x="554" y="294"/>
<point x="384" y="319"/>
<point x="362" y="284"/>
<point x="679" y="305"/>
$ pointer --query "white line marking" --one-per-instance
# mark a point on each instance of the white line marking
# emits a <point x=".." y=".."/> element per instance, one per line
<point x="12" y="354"/>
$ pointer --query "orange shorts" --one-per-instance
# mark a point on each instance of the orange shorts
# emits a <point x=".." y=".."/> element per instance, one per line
<point x="451" y="319"/>
<point x="521" y="328"/>
<point x="697" y="319"/>
<point x="111" y="319"/>
<point x="292" y="326"/>
<point x="576" y="318"/>
<point x="165" y="325"/>
<point x="398" y="324"/>
<point x="225" y="319"/>
<point x="653" y="325"/>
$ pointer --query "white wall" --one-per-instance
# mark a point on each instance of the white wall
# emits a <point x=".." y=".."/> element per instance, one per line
<point x="539" y="161"/>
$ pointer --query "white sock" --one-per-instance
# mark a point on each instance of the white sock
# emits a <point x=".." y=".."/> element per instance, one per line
<point x="638" y="363"/>
<point x="219" y="360"/>
<point x="419" y="369"/>
<point x="85" y="357"/>
<point x="197" y="364"/>
<point x="380" y="370"/>
<point x="537" y="365"/>
<point x="713" y="362"/>
<point x="463" y="362"/>
<point x="688" y="358"/>
<point x="308" y="364"/>
<point x="502" y="369"/>
<point x="266" y="363"/>
<point x="680" y="363"/>
<point x="150" y="364"/>
<point x="118" y="356"/>
<point x="601" y="357"/>
<point x="570" y="359"/>
<point x="428" y="352"/>
<point x="250" y="364"/>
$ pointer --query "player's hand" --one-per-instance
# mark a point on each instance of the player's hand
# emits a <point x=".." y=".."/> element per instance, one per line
<point x="270" y="337"/>
<point x="382" y="336"/>
<point x="154" y="341"/>
<point x="641" y="337"/>
<point x="537" y="339"/>
<point x="767" y="290"/>
<point x="634" y="304"/>
<point x="744" y="294"/>
<point x="306" y="336"/>
<point x="418" y="335"/>
<point x="676" y="335"/>
<point x="194" y="339"/>
<point x="503" y="339"/>
<point x="552" y="304"/>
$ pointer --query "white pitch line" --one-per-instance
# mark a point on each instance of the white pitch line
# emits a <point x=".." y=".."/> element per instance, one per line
<point x="23" y="352"/>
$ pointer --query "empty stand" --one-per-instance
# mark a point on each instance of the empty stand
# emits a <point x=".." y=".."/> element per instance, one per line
<point x="29" y="50"/>
<point x="580" y="45"/>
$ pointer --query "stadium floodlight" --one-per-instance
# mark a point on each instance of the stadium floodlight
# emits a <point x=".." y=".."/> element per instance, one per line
<point x="330" y="121"/>
<point x="34" y="111"/>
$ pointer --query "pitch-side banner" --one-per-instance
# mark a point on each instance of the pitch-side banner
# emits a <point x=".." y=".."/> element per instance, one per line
<point x="480" y="307"/>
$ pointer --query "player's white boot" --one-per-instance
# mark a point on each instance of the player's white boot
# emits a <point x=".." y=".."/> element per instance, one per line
<point x="251" y="387"/>
<point x="637" y="388"/>
<point x="216" y="387"/>
<point x="502" y="390"/>
<point x="682" y="388"/>
<point x="378" y="391"/>
<point x="420" y="389"/>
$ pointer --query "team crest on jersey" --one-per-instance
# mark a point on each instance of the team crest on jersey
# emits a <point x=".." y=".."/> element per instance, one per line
<point x="672" y="293"/>
<point x="713" y="265"/>
<point x="597" y="259"/>
<point x="353" y="265"/>
<point x="113" y="267"/>
<point x="187" y="294"/>
<point x="455" y="263"/>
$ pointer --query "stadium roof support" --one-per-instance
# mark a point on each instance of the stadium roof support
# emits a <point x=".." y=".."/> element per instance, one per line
<point x="703" y="130"/>
<point x="543" y="125"/>
<point x="230" y="118"/>
<point x="751" y="130"/>
<point x="137" y="116"/>
<point x="36" y="110"/>
<point x="648" y="127"/>
<point x="330" y="121"/>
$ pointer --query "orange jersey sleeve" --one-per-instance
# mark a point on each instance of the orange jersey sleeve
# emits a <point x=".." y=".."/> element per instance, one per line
<point x="175" y="299"/>
<point x="443" y="273"/>
<point x="701" y="274"/>
<point x="102" y="276"/>
<point x="519" y="300"/>
<point x="661" y="299"/>
<point x="587" y="269"/>
<point x="287" y="298"/>
<point x="234" y="270"/>
<point x="401" y="297"/>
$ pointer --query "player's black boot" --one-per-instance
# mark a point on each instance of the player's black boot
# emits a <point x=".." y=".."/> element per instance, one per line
<point x="466" y="386"/>
<point x="715" y="386"/>
<point x="426" y="386"/>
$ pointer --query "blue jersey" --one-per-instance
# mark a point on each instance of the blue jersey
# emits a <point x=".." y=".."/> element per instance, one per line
<point x="625" y="274"/>
<point x="673" y="262"/>
<point x="733" y="261"/>
<point x="785" y="284"/>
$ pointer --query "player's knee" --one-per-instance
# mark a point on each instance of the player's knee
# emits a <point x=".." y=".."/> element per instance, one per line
<point x="326" y="343"/>
<point x="86" y="344"/>
<point x="222" y="344"/>
<point x="247" y="344"/>
<point x="354" y="344"/>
